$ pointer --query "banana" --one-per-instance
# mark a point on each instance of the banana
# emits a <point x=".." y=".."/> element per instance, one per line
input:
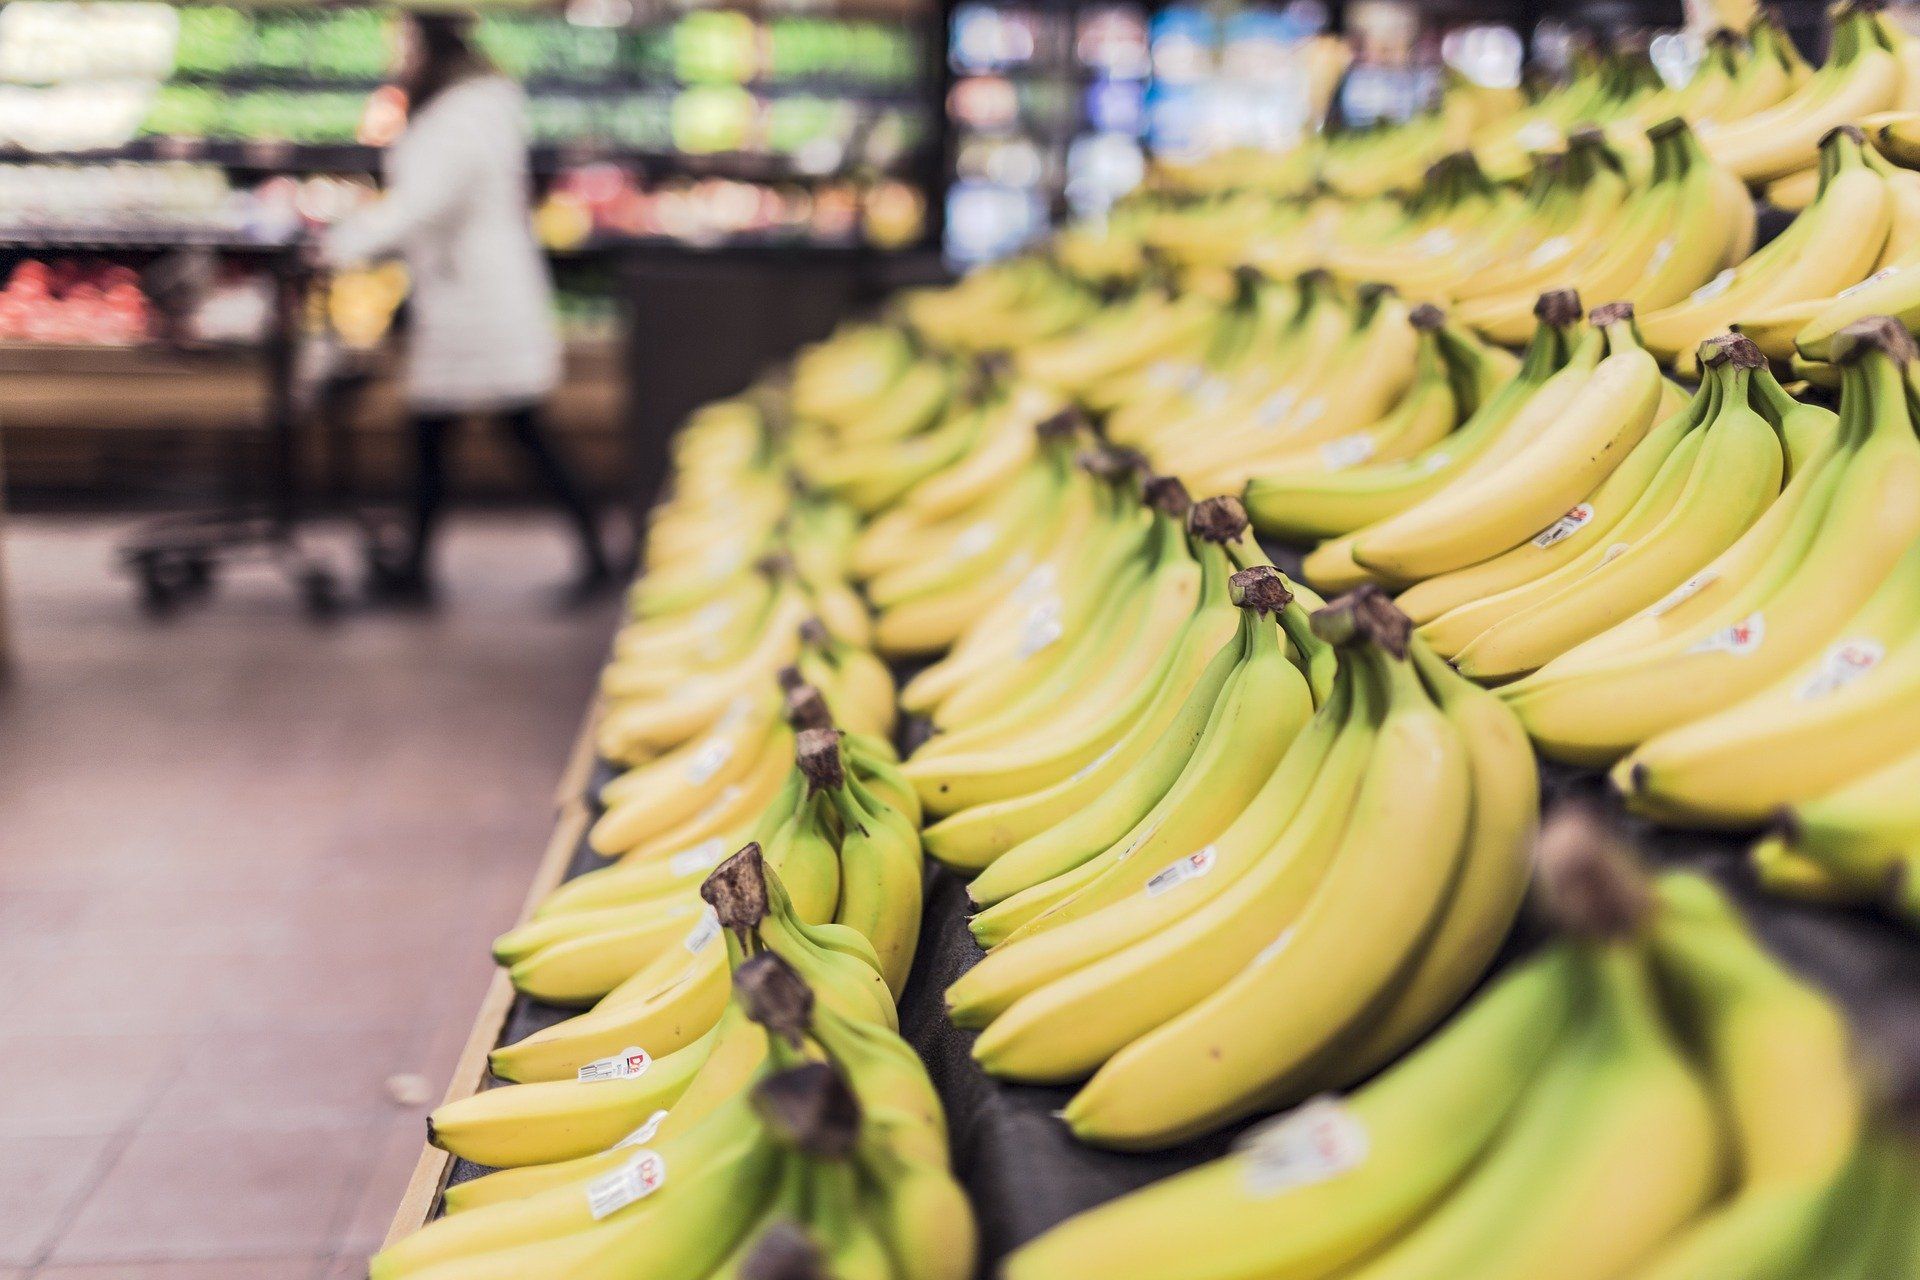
<point x="1264" y="704"/>
<point x="1560" y="543"/>
<point x="1599" y="420"/>
<point x="879" y="860"/>
<point x="1310" y="1193"/>
<point x="1829" y="721"/>
<point x="1174" y="650"/>
<point x="1861" y="77"/>
<point x="1600" y="708"/>
<point x="1571" y="1190"/>
<point x="1734" y="478"/>
<point x="1060" y="1002"/>
<point x="1864" y="836"/>
<point x="1240" y="1044"/>
<point x="1780" y="1057"/>
<point x="1202" y="667"/>
<point x="533" y="1124"/>
<point x="1340" y="503"/>
<point x="1495" y="871"/>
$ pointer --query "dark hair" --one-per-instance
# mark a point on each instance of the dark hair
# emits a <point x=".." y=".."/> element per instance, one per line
<point x="446" y="55"/>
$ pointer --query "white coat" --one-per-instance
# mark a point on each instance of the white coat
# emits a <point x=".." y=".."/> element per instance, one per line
<point x="483" y="334"/>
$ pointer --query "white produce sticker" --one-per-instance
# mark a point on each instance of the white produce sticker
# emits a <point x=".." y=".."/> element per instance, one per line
<point x="702" y="935"/>
<point x="1436" y="462"/>
<point x="1713" y="288"/>
<point x="974" y="539"/>
<point x="1036" y="585"/>
<point x="1347" y="451"/>
<point x="1840" y="666"/>
<point x="704" y="856"/>
<point x="629" y="1064"/>
<point x="1549" y="250"/>
<point x="1043" y="627"/>
<point x="714" y="617"/>
<point x="1314" y="1142"/>
<point x="1565" y="527"/>
<point x="1191" y="867"/>
<point x="1536" y="135"/>
<point x="1168" y="374"/>
<point x="1740" y="639"/>
<point x="1211" y="393"/>
<point x="1275" y="407"/>
<point x="635" y="1180"/>
<point x="1681" y="594"/>
<point x="644" y="1134"/>
<point x="709" y="760"/>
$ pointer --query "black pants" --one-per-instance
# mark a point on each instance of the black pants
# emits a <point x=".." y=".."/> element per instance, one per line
<point x="523" y="427"/>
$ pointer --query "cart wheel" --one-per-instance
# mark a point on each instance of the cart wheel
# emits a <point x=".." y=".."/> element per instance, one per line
<point x="319" y="593"/>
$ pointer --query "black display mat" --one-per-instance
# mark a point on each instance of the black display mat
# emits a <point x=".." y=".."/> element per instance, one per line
<point x="1024" y="1171"/>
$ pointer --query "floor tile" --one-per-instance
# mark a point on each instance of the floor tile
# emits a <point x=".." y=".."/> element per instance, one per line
<point x="288" y="1079"/>
<point x="216" y="1194"/>
<point x="397" y="1149"/>
<point x="41" y="1180"/>
<point x="79" y="1084"/>
<point x="273" y="892"/>
<point x="294" y="1268"/>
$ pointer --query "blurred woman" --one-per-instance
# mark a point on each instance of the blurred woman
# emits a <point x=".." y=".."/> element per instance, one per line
<point x="482" y="340"/>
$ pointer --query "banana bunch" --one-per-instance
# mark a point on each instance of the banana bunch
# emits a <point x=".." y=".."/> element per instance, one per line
<point x="1686" y="492"/>
<point x="1599" y="233"/>
<point x="1741" y="72"/>
<point x="1115" y="716"/>
<point x="1806" y="332"/>
<point x="1451" y="225"/>
<point x="1165" y="801"/>
<point x="1001" y="670"/>
<point x="1005" y="306"/>
<point x="1870" y="69"/>
<point x="665" y="704"/>
<point x="1617" y="83"/>
<point x="1324" y="422"/>
<point x="1557" y="446"/>
<point x="1649" y="1097"/>
<point x="1837" y="242"/>
<point x="1338" y="503"/>
<point x="1857" y="843"/>
<point x="1157" y="321"/>
<point x="803" y="1126"/>
<point x="1773" y="601"/>
<point x="573" y="1115"/>
<point x="849" y="853"/>
<point x="628" y="940"/>
<point x="1235" y="950"/>
<point x="869" y="471"/>
<point x="991" y="530"/>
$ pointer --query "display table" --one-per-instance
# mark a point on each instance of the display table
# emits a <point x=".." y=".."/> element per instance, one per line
<point x="1020" y="1166"/>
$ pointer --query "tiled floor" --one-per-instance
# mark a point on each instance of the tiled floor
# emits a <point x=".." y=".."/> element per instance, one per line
<point x="248" y="871"/>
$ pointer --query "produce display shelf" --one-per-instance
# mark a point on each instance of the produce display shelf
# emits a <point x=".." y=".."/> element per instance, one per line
<point x="1022" y="1169"/>
<point x="262" y="155"/>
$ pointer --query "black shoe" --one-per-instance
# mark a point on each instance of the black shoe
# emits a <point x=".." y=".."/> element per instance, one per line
<point x="595" y="583"/>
